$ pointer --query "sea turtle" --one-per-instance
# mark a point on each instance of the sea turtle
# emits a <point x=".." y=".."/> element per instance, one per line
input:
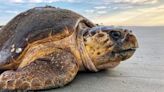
<point x="45" y="47"/>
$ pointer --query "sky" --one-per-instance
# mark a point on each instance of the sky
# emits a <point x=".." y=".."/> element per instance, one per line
<point x="106" y="12"/>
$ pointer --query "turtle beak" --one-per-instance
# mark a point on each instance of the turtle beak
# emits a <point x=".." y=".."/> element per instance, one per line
<point x="125" y="44"/>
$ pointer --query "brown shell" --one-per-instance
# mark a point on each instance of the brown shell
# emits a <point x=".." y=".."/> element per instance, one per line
<point x="36" y="24"/>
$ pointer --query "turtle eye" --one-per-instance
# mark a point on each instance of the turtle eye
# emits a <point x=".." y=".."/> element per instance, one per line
<point x="115" y="35"/>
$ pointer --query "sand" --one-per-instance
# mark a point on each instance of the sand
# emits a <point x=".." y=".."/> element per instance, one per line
<point x="144" y="72"/>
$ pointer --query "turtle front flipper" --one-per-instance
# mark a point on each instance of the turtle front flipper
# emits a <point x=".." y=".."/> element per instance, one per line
<point x="54" y="70"/>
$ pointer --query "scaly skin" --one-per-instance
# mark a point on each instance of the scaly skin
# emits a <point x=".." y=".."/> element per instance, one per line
<point x="54" y="70"/>
<point x="47" y="63"/>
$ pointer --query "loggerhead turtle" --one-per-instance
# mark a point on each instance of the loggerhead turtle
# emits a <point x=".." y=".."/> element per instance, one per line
<point x="45" y="47"/>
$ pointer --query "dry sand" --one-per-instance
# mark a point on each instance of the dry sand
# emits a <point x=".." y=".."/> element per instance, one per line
<point x="144" y="72"/>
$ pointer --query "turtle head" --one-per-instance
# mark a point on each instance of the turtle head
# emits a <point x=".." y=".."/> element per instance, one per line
<point x="108" y="46"/>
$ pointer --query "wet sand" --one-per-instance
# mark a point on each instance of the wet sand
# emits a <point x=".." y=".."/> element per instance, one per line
<point x="144" y="72"/>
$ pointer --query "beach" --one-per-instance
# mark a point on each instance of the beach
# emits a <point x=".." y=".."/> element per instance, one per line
<point x="141" y="73"/>
<point x="33" y="32"/>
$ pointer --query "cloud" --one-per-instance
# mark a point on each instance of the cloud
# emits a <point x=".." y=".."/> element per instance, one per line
<point x="96" y="12"/>
<point x="137" y="17"/>
<point x="16" y="1"/>
<point x="150" y="16"/>
<point x="89" y="11"/>
<point x="39" y="1"/>
<point x="100" y="7"/>
<point x="109" y="12"/>
<point x="11" y="12"/>
<point x="121" y="7"/>
<point x="132" y="1"/>
<point x="102" y="12"/>
<point x="90" y="1"/>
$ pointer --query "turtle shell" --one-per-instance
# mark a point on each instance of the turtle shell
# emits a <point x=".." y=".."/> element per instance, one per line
<point x="36" y="24"/>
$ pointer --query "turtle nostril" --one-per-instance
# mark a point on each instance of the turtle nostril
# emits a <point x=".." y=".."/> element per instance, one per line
<point x="115" y="35"/>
